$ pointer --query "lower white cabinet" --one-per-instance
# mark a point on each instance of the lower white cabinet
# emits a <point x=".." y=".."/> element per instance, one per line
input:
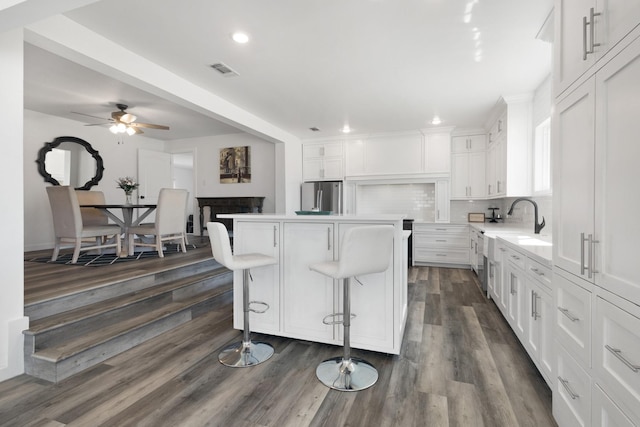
<point x="308" y="295"/>
<point x="435" y="244"/>
<point x="572" y="392"/>
<point x="264" y="238"/>
<point x="605" y="413"/>
<point x="616" y="352"/>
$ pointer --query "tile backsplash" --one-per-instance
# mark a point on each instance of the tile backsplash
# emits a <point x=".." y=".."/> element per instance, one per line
<point x="417" y="201"/>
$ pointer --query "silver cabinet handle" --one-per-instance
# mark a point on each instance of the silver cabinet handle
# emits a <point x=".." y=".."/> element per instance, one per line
<point x="275" y="234"/>
<point x="441" y="240"/>
<point x="592" y="30"/>
<point x="565" y="384"/>
<point x="489" y="189"/>
<point x="583" y="268"/>
<point x="517" y="258"/>
<point x="584" y="38"/>
<point x="498" y="186"/>
<point x="533" y="304"/>
<point x="566" y="312"/>
<point x="511" y="289"/>
<point x="591" y="242"/>
<point x="441" y="229"/>
<point x="441" y="254"/>
<point x="618" y="353"/>
<point x="502" y="249"/>
<point x="538" y="272"/>
<point x="328" y="238"/>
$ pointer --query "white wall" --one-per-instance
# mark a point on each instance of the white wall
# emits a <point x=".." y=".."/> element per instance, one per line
<point x="206" y="167"/>
<point x="119" y="160"/>
<point x="12" y="320"/>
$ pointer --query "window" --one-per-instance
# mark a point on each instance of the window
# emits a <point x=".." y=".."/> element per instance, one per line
<point x="542" y="158"/>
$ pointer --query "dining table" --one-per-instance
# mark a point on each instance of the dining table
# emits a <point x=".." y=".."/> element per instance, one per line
<point x="127" y="221"/>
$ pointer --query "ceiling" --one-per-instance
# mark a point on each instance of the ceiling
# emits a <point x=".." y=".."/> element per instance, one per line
<point x="375" y="65"/>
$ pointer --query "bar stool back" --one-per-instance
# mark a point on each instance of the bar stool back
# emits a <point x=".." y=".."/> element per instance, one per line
<point x="363" y="250"/>
<point x="247" y="352"/>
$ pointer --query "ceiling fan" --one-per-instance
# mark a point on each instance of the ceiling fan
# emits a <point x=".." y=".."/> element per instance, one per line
<point x="124" y="122"/>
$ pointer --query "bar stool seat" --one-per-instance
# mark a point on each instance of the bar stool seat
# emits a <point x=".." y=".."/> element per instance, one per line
<point x="245" y="353"/>
<point x="363" y="250"/>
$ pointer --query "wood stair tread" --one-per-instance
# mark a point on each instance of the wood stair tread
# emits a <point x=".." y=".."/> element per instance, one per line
<point x="78" y="314"/>
<point x="78" y="345"/>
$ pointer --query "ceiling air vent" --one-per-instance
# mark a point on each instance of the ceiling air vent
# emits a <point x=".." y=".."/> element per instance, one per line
<point x="314" y="129"/>
<point x="224" y="69"/>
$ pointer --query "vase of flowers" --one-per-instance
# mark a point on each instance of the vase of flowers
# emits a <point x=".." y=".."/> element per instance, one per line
<point x="128" y="184"/>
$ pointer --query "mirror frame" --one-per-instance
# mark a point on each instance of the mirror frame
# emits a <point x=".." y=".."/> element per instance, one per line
<point x="48" y="146"/>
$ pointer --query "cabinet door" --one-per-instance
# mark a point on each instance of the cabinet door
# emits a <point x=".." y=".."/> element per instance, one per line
<point x="437" y="153"/>
<point x="546" y="319"/>
<point x="617" y="18"/>
<point x="398" y="154"/>
<point x="617" y="174"/>
<point x="570" y="42"/>
<point x="372" y="303"/>
<point x="313" y="169"/>
<point x="491" y="171"/>
<point x="573" y="178"/>
<point x="477" y="175"/>
<point x="264" y="238"/>
<point x="517" y="300"/>
<point x="307" y="295"/>
<point x="460" y="176"/>
<point x="442" y="201"/>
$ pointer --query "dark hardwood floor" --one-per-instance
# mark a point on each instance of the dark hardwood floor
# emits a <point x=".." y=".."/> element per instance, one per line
<point x="460" y="365"/>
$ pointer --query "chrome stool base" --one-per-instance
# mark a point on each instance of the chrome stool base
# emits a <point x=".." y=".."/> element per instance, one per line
<point x="242" y="355"/>
<point x="343" y="374"/>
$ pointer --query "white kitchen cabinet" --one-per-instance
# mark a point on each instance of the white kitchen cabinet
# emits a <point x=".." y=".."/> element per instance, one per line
<point x="509" y="157"/>
<point x="440" y="244"/>
<point x="259" y="237"/>
<point x="443" y="201"/>
<point x="571" y="393"/>
<point x="617" y="173"/>
<point x="372" y="303"/>
<point x="394" y="154"/>
<point x="307" y="295"/>
<point x="497" y="130"/>
<point x="616" y="352"/>
<point x="605" y="413"/>
<point x="468" y="143"/>
<point x="437" y="153"/>
<point x="503" y="278"/>
<point x="323" y="161"/>
<point x="585" y="31"/>
<point x="573" y="178"/>
<point x="517" y="298"/>
<point x="468" y="175"/>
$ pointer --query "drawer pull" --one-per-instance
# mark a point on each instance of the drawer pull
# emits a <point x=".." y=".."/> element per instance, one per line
<point x="565" y="384"/>
<point x="565" y="311"/>
<point x="618" y="353"/>
<point x="538" y="272"/>
<point x="441" y="229"/>
<point x="441" y="254"/>
<point x="515" y="257"/>
<point x="441" y="240"/>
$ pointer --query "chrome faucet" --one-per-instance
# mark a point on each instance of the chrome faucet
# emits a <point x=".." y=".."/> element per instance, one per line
<point x="536" y="227"/>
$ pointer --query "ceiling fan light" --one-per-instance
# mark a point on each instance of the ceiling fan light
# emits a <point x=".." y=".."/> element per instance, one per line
<point x="113" y="129"/>
<point x="128" y="118"/>
<point x="121" y="127"/>
<point x="130" y="131"/>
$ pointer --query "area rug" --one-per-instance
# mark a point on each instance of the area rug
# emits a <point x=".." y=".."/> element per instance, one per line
<point x="99" y="260"/>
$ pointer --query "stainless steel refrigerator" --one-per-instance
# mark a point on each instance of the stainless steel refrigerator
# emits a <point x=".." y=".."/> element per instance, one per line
<point x="322" y="196"/>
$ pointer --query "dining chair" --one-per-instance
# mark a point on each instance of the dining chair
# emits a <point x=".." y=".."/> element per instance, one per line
<point x="171" y="217"/>
<point x="69" y="229"/>
<point x="92" y="216"/>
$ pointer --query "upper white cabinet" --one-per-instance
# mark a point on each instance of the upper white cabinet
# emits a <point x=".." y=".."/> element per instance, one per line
<point x="468" y="143"/>
<point x="468" y="167"/>
<point x="413" y="153"/>
<point x="585" y="31"/>
<point x="323" y="161"/>
<point x="509" y="157"/>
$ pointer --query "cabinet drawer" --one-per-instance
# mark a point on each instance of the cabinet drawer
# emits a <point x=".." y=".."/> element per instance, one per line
<point x="616" y="355"/>
<point x="451" y="230"/>
<point x="573" y="320"/>
<point x="605" y="413"/>
<point x="437" y="241"/>
<point x="445" y="256"/>
<point x="540" y="273"/>
<point x="516" y="258"/>
<point x="572" y="394"/>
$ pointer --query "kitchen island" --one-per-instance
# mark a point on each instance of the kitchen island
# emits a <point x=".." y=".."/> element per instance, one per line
<point x="299" y="298"/>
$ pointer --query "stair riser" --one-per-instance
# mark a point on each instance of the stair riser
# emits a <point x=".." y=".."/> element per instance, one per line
<point x="59" y="305"/>
<point x="86" y="325"/>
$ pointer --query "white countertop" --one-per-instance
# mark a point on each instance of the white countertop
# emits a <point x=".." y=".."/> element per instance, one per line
<point x="332" y="217"/>
<point x="536" y="247"/>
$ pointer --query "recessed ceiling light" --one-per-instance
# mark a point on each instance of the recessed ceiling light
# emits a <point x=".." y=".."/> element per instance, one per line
<point x="346" y="129"/>
<point x="436" y="120"/>
<point x="239" y="37"/>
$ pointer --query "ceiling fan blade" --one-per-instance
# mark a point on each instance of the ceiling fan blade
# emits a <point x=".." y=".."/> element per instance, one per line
<point x="149" y="125"/>
<point x="138" y="130"/>
<point x="88" y="115"/>
<point x="98" y="124"/>
<point x="116" y="115"/>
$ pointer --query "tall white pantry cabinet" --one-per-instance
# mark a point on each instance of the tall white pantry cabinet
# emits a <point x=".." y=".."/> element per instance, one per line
<point x="596" y="206"/>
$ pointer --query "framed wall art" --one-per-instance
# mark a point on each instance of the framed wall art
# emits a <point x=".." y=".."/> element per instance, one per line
<point x="235" y="165"/>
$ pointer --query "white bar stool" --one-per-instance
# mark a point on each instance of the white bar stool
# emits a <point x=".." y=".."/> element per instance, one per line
<point x="247" y="352"/>
<point x="363" y="250"/>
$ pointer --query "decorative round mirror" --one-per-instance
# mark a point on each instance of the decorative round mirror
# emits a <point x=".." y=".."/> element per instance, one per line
<point x="68" y="160"/>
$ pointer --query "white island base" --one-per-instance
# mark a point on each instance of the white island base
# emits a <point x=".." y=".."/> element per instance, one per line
<point x="299" y="298"/>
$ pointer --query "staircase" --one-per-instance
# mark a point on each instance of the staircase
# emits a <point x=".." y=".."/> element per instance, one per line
<point x="73" y="332"/>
